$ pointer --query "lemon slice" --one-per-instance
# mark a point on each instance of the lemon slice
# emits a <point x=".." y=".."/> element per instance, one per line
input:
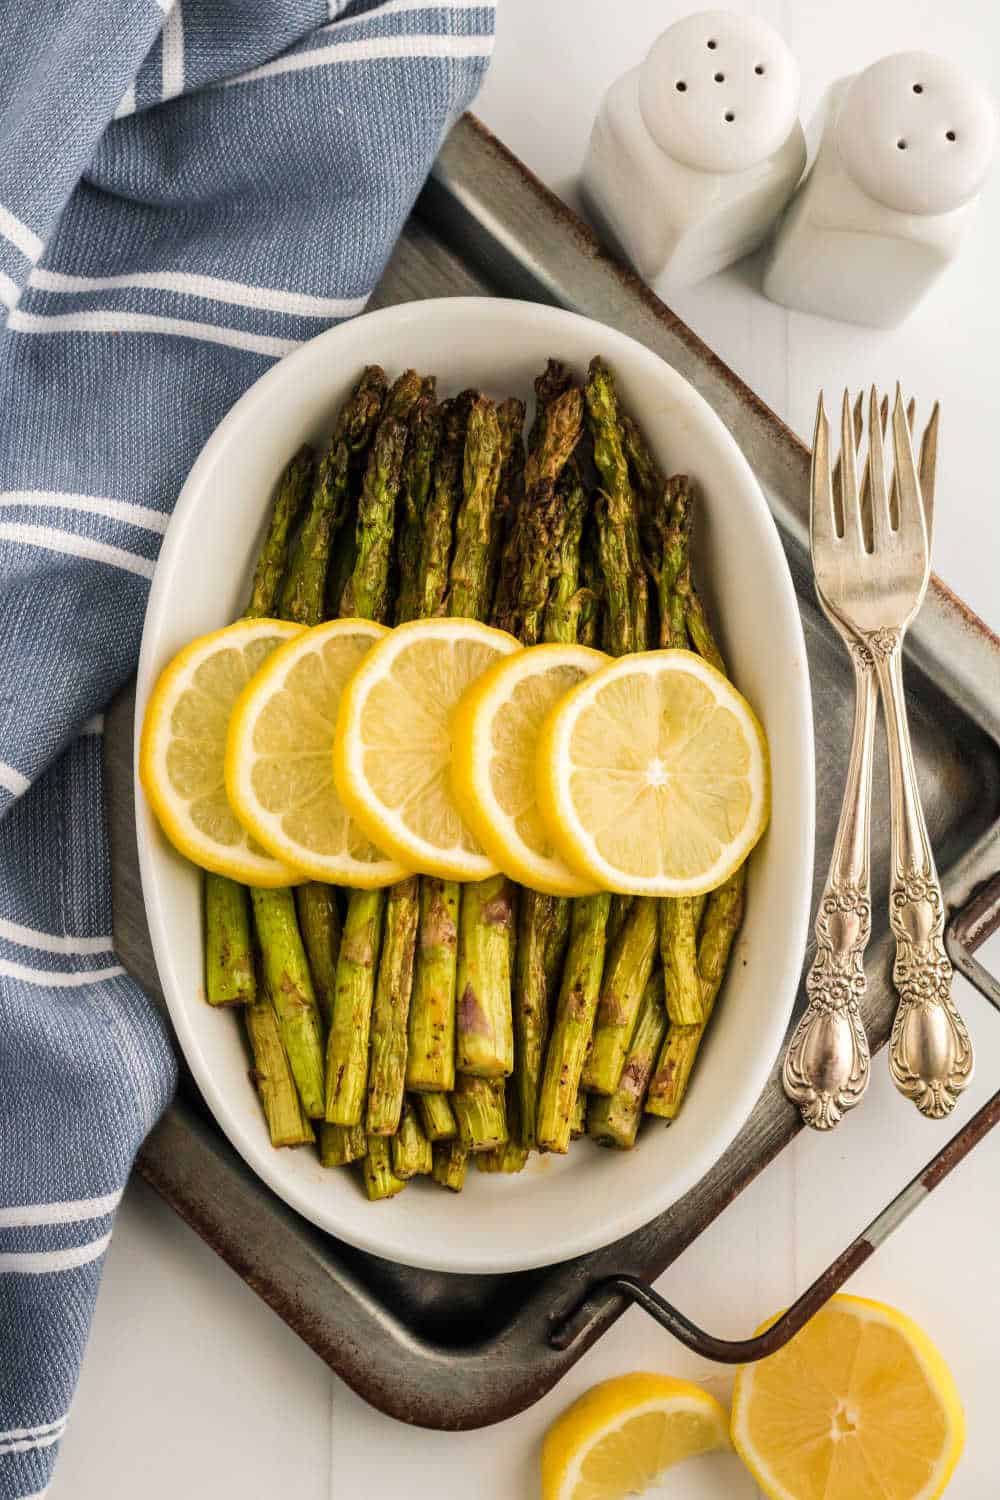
<point x="392" y="755"/>
<point x="495" y="733"/>
<point x="653" y="776"/>
<point x="858" y="1406"/>
<point x="183" y="748"/>
<point x="618" y="1438"/>
<point x="279" y="760"/>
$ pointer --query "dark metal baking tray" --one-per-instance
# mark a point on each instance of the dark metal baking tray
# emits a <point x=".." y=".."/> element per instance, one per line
<point x="458" y="1352"/>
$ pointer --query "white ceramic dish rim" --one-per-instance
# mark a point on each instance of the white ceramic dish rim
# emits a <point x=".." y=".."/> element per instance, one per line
<point x="367" y="1230"/>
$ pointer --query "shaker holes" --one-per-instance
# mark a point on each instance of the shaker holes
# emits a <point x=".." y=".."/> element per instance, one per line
<point x="918" y="88"/>
<point x="680" y="86"/>
<point x="712" y="46"/>
<point x="900" y="145"/>
<point x="720" y="77"/>
<point x="759" y="70"/>
<point x="950" y="135"/>
<point x="729" y="117"/>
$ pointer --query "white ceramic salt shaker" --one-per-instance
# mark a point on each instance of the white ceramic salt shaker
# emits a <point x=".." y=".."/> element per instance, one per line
<point x="904" y="150"/>
<point x="695" y="152"/>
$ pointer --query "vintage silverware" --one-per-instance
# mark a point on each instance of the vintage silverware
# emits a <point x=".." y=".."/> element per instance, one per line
<point x="876" y="594"/>
<point x="826" y="1065"/>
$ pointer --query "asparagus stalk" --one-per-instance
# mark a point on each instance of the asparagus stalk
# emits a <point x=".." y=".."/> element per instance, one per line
<point x="376" y="1169"/>
<point x="391" y="1008"/>
<point x="678" y="925"/>
<point x="293" y="491"/>
<point x="624" y="580"/>
<point x="537" y="960"/>
<point x="430" y="1058"/>
<point x="510" y="415"/>
<point x="368" y="595"/>
<point x="229" y="976"/>
<point x="468" y="578"/>
<point x="411" y="1150"/>
<point x="436" y="1116"/>
<point x="286" y="1122"/>
<point x="291" y="988"/>
<point x="450" y="1163"/>
<point x="479" y="1106"/>
<point x="484" y="1039"/>
<point x="626" y="974"/>
<point x="554" y="380"/>
<point x="613" y="1119"/>
<point x="720" y="924"/>
<point x="425" y="431"/>
<point x="578" y="1125"/>
<point x="574" y="1022"/>
<point x="302" y="598"/>
<point x="319" y="923"/>
<point x="340" y="1144"/>
<point x="442" y="505"/>
<point x="484" y="1044"/>
<point x="350" y="1026"/>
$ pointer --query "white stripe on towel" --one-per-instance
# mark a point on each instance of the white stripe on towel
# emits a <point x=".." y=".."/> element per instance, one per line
<point x="370" y="50"/>
<point x="115" y="510"/>
<point x="172" y="53"/>
<point x="51" y="942"/>
<point x="26" y="1445"/>
<point x="106" y="320"/>
<point x="19" y="234"/>
<point x="20" y="1432"/>
<point x="9" y="290"/>
<point x="403" y="7"/>
<point x="75" y="546"/>
<point x="212" y="288"/>
<point x="70" y="1211"/>
<point x="44" y="1262"/>
<point x="55" y="977"/>
<point x="13" y="780"/>
<point x="127" y="106"/>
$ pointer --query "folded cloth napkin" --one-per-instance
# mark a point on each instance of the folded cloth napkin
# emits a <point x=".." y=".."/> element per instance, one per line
<point x="187" y="192"/>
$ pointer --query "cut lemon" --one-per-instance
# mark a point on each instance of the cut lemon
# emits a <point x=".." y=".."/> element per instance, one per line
<point x="279" y="758"/>
<point x="392" y="755"/>
<point x="618" y="1438"/>
<point x="653" y="776"/>
<point x="183" y="749"/>
<point x="495" y="733"/>
<point x="858" y="1406"/>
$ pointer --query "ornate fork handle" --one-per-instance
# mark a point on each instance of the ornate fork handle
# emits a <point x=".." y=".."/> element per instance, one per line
<point x="827" y="1064"/>
<point x="930" y="1052"/>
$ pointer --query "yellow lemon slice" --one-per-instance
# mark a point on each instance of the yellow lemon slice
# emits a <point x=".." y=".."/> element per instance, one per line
<point x="183" y="749"/>
<point x="279" y="758"/>
<point x="858" y="1406"/>
<point x="618" y="1438"/>
<point x="392" y="754"/>
<point x="495" y="734"/>
<point x="653" y="776"/>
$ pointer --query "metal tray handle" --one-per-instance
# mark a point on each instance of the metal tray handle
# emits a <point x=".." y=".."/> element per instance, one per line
<point x="967" y="930"/>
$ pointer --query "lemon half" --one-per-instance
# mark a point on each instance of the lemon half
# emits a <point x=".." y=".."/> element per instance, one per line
<point x="858" y="1406"/>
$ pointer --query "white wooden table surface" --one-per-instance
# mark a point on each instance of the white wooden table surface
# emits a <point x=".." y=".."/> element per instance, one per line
<point x="191" y="1385"/>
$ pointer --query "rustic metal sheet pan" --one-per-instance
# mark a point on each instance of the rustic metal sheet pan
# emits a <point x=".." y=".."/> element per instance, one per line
<point x="459" y="1352"/>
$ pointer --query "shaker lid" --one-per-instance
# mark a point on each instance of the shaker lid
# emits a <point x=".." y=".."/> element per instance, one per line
<point x="719" y="92"/>
<point x="917" y="133"/>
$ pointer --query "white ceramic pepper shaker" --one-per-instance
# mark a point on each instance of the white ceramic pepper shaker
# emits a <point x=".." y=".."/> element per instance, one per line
<point x="695" y="152"/>
<point x="904" y="149"/>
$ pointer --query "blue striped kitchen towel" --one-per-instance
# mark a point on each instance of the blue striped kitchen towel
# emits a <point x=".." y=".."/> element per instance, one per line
<point x="187" y="192"/>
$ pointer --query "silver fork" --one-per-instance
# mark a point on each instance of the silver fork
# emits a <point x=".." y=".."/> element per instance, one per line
<point x="876" y="595"/>
<point x="827" y="1064"/>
